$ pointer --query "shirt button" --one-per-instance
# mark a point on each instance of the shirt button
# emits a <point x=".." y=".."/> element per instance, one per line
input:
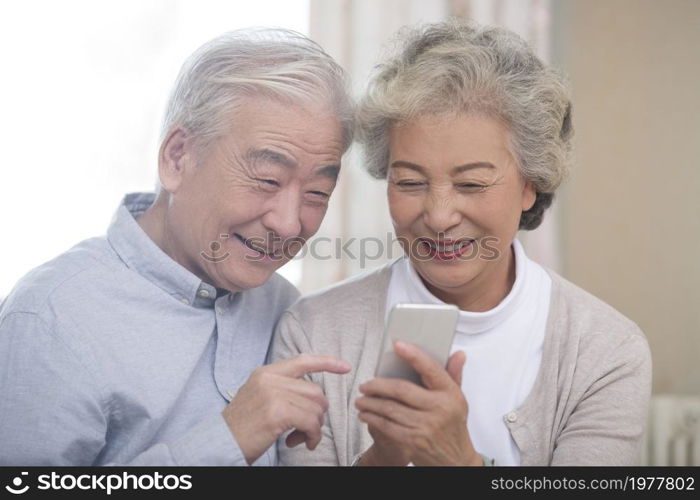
<point x="512" y="417"/>
<point x="203" y="293"/>
<point x="185" y="301"/>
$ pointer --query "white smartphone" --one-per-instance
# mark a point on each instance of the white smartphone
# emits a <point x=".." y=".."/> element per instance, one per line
<point x="429" y="326"/>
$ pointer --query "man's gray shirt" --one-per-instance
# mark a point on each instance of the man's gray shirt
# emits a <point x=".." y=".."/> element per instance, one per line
<point x="113" y="353"/>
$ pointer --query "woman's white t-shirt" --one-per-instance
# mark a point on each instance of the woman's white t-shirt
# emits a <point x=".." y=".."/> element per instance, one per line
<point x="503" y="348"/>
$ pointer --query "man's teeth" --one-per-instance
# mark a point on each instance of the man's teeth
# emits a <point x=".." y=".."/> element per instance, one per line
<point x="252" y="246"/>
<point x="258" y="249"/>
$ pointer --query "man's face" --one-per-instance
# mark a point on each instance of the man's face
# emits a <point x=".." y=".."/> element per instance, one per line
<point x="244" y="204"/>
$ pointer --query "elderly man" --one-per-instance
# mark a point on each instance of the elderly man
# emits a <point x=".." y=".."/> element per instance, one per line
<point x="145" y="347"/>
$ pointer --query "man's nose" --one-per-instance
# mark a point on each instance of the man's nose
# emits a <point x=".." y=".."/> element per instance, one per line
<point x="284" y="214"/>
<point x="441" y="213"/>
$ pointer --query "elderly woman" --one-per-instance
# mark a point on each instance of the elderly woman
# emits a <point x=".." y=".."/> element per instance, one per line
<point x="472" y="133"/>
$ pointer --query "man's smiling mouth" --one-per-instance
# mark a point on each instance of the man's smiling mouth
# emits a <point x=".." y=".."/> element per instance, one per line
<point x="257" y="245"/>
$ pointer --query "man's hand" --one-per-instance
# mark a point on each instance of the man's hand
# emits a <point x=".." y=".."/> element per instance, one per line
<point x="275" y="399"/>
<point x="424" y="425"/>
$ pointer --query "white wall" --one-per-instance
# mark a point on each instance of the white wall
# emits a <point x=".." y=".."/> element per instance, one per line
<point x="631" y="212"/>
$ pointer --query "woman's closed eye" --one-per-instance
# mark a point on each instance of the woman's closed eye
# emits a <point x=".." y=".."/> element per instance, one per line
<point x="471" y="186"/>
<point x="465" y="186"/>
<point x="409" y="183"/>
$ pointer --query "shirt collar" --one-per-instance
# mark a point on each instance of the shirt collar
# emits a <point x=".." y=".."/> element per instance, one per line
<point x="140" y="253"/>
<point x="471" y="322"/>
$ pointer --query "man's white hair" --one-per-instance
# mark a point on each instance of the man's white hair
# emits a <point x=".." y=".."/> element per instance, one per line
<point x="270" y="62"/>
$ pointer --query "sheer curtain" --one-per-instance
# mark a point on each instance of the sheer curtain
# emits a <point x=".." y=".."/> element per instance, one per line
<point x="531" y="20"/>
<point x="354" y="32"/>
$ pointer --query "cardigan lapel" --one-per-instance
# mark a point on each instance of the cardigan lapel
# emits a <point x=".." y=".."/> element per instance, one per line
<point x="532" y="424"/>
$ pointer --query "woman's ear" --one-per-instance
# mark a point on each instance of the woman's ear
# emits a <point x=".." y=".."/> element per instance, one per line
<point x="174" y="156"/>
<point x="529" y="196"/>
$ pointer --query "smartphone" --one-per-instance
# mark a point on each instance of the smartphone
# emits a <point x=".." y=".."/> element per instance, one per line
<point x="428" y="326"/>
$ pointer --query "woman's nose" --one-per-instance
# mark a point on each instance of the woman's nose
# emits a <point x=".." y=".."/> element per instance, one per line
<point x="441" y="213"/>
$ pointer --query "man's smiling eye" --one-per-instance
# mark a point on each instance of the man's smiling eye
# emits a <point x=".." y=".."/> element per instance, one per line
<point x="319" y="193"/>
<point x="269" y="182"/>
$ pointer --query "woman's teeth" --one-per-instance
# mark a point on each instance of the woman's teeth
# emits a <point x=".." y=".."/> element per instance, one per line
<point x="447" y="248"/>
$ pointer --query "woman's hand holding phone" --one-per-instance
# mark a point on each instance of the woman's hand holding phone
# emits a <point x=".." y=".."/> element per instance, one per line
<point x="423" y="425"/>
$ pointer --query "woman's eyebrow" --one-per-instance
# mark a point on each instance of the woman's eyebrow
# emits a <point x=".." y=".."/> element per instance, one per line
<point x="456" y="170"/>
<point x="406" y="164"/>
<point x="470" y="166"/>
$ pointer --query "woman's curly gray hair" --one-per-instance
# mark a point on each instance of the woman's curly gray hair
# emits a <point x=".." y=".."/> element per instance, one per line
<point x="453" y="67"/>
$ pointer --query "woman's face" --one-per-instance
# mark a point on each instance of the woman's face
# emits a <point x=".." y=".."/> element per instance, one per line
<point x="455" y="197"/>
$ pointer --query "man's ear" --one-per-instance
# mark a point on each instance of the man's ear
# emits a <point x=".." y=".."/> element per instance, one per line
<point x="529" y="196"/>
<point x="174" y="156"/>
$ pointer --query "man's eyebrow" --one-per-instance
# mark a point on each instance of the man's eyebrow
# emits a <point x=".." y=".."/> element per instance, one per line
<point x="330" y="171"/>
<point x="271" y="156"/>
<point x="268" y="155"/>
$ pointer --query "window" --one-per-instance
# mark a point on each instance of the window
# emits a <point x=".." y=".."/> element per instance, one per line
<point x="83" y="89"/>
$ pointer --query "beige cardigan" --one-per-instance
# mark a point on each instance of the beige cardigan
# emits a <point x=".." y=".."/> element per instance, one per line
<point x="588" y="405"/>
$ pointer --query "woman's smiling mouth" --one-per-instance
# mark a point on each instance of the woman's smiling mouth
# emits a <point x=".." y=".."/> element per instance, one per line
<point x="445" y="250"/>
